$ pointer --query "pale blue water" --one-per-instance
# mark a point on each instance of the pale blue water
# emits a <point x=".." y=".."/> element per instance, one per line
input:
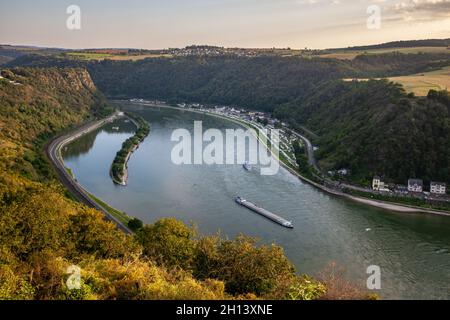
<point x="412" y="250"/>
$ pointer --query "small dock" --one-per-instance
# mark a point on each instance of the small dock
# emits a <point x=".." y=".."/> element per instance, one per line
<point x="265" y="213"/>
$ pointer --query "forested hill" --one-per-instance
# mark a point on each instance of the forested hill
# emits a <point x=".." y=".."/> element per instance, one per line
<point x="258" y="83"/>
<point x="375" y="128"/>
<point x="38" y="103"/>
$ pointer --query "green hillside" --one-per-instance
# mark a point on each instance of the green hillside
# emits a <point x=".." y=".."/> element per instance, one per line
<point x="375" y="128"/>
<point x="259" y="83"/>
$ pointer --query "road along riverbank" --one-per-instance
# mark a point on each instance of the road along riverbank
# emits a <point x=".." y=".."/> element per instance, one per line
<point x="53" y="152"/>
<point x="389" y="206"/>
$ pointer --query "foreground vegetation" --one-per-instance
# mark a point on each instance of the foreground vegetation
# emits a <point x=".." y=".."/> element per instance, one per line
<point x="44" y="233"/>
<point x="118" y="167"/>
<point x="119" y="215"/>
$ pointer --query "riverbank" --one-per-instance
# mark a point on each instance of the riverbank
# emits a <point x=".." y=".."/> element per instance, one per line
<point x="53" y="151"/>
<point x="389" y="206"/>
<point x="119" y="167"/>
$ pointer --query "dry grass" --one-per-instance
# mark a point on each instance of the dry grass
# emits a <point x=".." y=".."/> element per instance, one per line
<point x="138" y="57"/>
<point x="339" y="288"/>
<point x="346" y="55"/>
<point x="116" y="57"/>
<point x="89" y="56"/>
<point x="421" y="83"/>
<point x="351" y="54"/>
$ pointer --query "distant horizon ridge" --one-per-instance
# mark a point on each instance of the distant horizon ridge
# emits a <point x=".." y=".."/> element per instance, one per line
<point x="445" y="42"/>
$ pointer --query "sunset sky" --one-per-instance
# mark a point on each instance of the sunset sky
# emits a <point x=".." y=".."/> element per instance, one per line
<point x="230" y="23"/>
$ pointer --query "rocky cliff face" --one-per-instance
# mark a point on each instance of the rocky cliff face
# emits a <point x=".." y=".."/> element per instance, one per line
<point x="66" y="88"/>
<point x="75" y="79"/>
<point x="36" y="103"/>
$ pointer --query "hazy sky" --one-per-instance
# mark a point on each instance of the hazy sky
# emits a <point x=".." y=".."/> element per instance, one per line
<point x="241" y="23"/>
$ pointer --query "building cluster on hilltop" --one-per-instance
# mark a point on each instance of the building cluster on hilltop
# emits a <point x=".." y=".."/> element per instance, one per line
<point x="213" y="51"/>
<point x="199" y="50"/>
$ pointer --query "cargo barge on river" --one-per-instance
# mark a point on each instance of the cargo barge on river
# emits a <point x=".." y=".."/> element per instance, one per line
<point x="265" y="213"/>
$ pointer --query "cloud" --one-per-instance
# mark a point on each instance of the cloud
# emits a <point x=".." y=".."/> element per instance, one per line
<point x="307" y="1"/>
<point x="422" y="9"/>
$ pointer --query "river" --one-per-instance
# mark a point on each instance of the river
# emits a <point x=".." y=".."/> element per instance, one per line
<point x="412" y="250"/>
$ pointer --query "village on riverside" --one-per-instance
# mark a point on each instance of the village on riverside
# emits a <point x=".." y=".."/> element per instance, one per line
<point x="415" y="187"/>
